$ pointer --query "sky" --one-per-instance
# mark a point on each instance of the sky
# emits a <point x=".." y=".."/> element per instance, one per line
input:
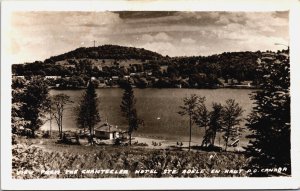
<point x="39" y="35"/>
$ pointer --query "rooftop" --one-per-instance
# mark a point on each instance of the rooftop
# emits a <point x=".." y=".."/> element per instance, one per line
<point x="107" y="128"/>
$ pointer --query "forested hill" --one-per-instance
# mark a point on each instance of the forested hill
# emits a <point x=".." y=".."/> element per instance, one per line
<point x="107" y="52"/>
<point x="149" y="67"/>
<point x="238" y="65"/>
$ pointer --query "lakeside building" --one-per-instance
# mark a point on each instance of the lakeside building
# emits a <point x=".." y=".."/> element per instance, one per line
<point x="107" y="131"/>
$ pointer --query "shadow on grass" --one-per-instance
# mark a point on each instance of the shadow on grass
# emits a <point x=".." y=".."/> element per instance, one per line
<point x="208" y="149"/>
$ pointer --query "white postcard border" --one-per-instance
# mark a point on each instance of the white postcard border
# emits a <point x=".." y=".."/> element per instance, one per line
<point x="149" y="183"/>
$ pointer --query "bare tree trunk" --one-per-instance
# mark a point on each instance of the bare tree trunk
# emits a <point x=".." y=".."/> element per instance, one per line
<point x="91" y="136"/>
<point x="59" y="126"/>
<point x="60" y="121"/>
<point x="226" y="140"/>
<point x="50" y="123"/>
<point x="190" y="133"/>
<point x="213" y="138"/>
<point x="32" y="133"/>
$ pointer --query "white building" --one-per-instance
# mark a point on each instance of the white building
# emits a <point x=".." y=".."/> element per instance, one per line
<point x="52" y="77"/>
<point x="106" y="131"/>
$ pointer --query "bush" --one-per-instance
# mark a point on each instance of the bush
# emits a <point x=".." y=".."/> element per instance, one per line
<point x="129" y="158"/>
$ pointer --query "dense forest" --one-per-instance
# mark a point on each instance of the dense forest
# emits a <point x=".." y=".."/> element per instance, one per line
<point x="107" y="52"/>
<point x="146" y="68"/>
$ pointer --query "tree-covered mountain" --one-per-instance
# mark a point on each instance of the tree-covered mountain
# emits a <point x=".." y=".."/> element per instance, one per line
<point x="107" y="52"/>
<point x="237" y="65"/>
<point x="147" y="68"/>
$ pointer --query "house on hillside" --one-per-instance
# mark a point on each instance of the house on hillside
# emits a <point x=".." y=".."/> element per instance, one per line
<point x="163" y="68"/>
<point x="268" y="56"/>
<point x="52" y="77"/>
<point x="126" y="77"/>
<point x="115" y="78"/>
<point x="18" y="77"/>
<point x="107" y="131"/>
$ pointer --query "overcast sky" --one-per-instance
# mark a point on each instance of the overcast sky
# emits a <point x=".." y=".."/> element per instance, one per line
<point x="39" y="35"/>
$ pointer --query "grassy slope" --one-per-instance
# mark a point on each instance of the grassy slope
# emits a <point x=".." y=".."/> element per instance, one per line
<point x="39" y="155"/>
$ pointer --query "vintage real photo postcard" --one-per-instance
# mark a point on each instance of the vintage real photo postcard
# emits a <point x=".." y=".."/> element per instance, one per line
<point x="149" y="95"/>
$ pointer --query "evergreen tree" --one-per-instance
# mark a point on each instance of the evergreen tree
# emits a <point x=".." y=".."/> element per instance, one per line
<point x="231" y="119"/>
<point x="269" y="121"/>
<point x="17" y="119"/>
<point x="33" y="99"/>
<point x="80" y="112"/>
<point x="202" y="116"/>
<point x="88" y="115"/>
<point x="129" y="111"/>
<point x="215" y="122"/>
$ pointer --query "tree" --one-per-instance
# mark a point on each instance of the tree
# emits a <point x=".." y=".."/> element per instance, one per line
<point x="269" y="122"/>
<point x="34" y="97"/>
<point x="80" y="112"/>
<point x="17" y="119"/>
<point x="58" y="104"/>
<point x="215" y="123"/>
<point x="231" y="119"/>
<point x="129" y="111"/>
<point x="189" y="108"/>
<point x="202" y="116"/>
<point x="88" y="115"/>
<point x="49" y="109"/>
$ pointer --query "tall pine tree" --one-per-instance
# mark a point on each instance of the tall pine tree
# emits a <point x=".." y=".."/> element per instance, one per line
<point x="129" y="111"/>
<point x="215" y="122"/>
<point x="270" y="119"/>
<point x="88" y="115"/>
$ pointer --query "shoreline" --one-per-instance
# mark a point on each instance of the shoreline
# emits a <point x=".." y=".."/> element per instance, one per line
<point x="212" y="88"/>
<point x="146" y="141"/>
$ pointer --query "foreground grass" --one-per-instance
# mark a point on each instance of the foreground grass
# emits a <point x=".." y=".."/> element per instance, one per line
<point x="29" y="156"/>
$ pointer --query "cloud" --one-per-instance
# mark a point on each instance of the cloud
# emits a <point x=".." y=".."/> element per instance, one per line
<point x="165" y="48"/>
<point x="162" y="36"/>
<point x="223" y="20"/>
<point x="39" y="35"/>
<point x="74" y="18"/>
<point x="175" y="49"/>
<point x="147" y="38"/>
<point x="265" y="43"/>
<point x="15" y="47"/>
<point x="188" y="40"/>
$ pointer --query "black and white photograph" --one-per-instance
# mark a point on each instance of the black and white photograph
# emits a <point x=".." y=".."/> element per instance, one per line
<point x="156" y="94"/>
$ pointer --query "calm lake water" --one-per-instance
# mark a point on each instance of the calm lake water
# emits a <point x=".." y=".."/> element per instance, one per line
<point x="157" y="107"/>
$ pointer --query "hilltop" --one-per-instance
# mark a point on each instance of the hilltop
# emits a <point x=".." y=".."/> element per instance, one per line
<point x="106" y="52"/>
<point x="114" y="64"/>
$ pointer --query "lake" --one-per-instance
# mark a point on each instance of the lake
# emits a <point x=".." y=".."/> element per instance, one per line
<point x="157" y="107"/>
